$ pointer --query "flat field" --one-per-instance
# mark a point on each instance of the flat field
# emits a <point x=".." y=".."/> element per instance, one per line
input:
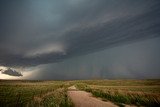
<point x="34" y="94"/>
<point x="15" y="93"/>
<point x="121" y="92"/>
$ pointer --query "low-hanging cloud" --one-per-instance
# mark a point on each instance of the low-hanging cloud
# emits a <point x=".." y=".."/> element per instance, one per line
<point x="11" y="72"/>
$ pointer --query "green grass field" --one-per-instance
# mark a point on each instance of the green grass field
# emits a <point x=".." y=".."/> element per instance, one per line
<point x="54" y="93"/>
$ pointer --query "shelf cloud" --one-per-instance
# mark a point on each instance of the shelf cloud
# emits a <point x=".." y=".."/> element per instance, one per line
<point x="33" y="33"/>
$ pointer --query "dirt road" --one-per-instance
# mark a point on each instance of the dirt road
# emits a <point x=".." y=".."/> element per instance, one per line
<point x="84" y="99"/>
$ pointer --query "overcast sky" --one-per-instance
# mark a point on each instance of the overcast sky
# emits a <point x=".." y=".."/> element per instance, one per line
<point x="80" y="39"/>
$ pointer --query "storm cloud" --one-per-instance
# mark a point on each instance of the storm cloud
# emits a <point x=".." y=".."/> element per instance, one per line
<point x="138" y="60"/>
<point x="11" y="72"/>
<point x="39" y="32"/>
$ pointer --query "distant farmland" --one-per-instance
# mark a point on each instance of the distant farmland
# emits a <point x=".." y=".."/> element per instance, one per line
<point x="54" y="93"/>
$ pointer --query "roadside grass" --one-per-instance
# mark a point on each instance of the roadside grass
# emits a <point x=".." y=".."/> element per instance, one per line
<point x="34" y="94"/>
<point x="56" y="98"/>
<point x="137" y="94"/>
<point x="138" y="99"/>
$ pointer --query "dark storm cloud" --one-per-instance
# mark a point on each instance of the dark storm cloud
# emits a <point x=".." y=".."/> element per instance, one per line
<point x="11" y="72"/>
<point x="138" y="60"/>
<point x="41" y="32"/>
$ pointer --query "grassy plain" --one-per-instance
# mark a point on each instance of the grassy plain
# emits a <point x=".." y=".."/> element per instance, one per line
<point x="121" y="92"/>
<point x="54" y="93"/>
<point x="34" y="94"/>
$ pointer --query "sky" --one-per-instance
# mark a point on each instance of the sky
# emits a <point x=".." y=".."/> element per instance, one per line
<point x="79" y="39"/>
